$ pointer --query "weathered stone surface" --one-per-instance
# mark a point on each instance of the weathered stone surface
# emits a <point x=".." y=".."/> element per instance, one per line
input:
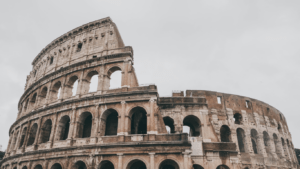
<point x="131" y="126"/>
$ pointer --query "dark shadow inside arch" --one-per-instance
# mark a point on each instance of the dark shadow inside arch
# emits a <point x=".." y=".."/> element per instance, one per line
<point x="85" y="125"/>
<point x="38" y="167"/>
<point x="46" y="131"/>
<point x="106" y="165"/>
<point x="238" y="118"/>
<point x="32" y="134"/>
<point x="194" y="123"/>
<point x="254" y="137"/>
<point x="136" y="164"/>
<point x="169" y="122"/>
<point x="222" y="167"/>
<point x="79" y="165"/>
<point x="196" y="166"/>
<point x="23" y="137"/>
<point x="63" y="128"/>
<point x="138" y="121"/>
<point x="240" y="134"/>
<point x="168" y="164"/>
<point x="111" y="123"/>
<point x="24" y="167"/>
<point x="225" y="133"/>
<point x="56" y="166"/>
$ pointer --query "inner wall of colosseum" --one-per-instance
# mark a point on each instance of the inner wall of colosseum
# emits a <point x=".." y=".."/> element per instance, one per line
<point x="63" y="123"/>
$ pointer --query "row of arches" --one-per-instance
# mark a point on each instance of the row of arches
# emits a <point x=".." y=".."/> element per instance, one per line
<point x="82" y="128"/>
<point x="73" y="85"/>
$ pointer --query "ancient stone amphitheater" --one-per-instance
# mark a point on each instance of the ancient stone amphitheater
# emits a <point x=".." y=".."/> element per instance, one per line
<point x="131" y="127"/>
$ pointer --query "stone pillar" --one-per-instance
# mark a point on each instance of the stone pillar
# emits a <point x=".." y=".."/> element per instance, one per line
<point x="248" y="142"/>
<point x="121" y="121"/>
<point x="261" y="146"/>
<point x="48" y="97"/>
<point x="120" y="161"/>
<point x="80" y="84"/>
<point x="26" y="136"/>
<point x="272" y="147"/>
<point x="72" y="126"/>
<point x="95" y="126"/>
<point x="35" y="143"/>
<point x="152" y="126"/>
<point x="53" y="131"/>
<point x="204" y="126"/>
<point x="152" y="160"/>
<point x="186" y="161"/>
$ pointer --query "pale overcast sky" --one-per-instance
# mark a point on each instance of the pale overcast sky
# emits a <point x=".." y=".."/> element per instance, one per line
<point x="249" y="48"/>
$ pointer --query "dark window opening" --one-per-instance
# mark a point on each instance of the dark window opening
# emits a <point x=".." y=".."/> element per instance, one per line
<point x="254" y="137"/>
<point x="63" y="127"/>
<point x="79" y="46"/>
<point x="56" y="166"/>
<point x="241" y="139"/>
<point x="112" y="123"/>
<point x="254" y="146"/>
<point x="87" y="127"/>
<point x="168" y="164"/>
<point x="169" y="122"/>
<point x="225" y="133"/>
<point x="248" y="104"/>
<point x="94" y="56"/>
<point x="106" y="165"/>
<point x="222" y="167"/>
<point x="51" y="60"/>
<point x="32" y="134"/>
<point x="23" y="137"/>
<point x="238" y="119"/>
<point x="46" y="131"/>
<point x="136" y="164"/>
<point x="138" y="121"/>
<point x="194" y="124"/>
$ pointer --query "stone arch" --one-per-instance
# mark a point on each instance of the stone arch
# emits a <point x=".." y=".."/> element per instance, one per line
<point x="284" y="147"/>
<point x="24" y="167"/>
<point x="56" y="166"/>
<point x="267" y="143"/>
<point x="106" y="164"/>
<point x="241" y="137"/>
<point x="87" y="82"/>
<point x="38" y="166"/>
<point x="277" y="145"/>
<point x="194" y="123"/>
<point x="33" y="100"/>
<point x="168" y="164"/>
<point x="138" y="121"/>
<point x="223" y="167"/>
<point x="79" y="165"/>
<point x="69" y="86"/>
<point x="279" y="128"/>
<point x="225" y="133"/>
<point x="23" y="135"/>
<point x="238" y="118"/>
<point x="55" y="91"/>
<point x="109" y="73"/>
<point x="254" y="140"/>
<point x="14" y="141"/>
<point x="109" y="122"/>
<point x="136" y="164"/>
<point x="43" y="95"/>
<point x="85" y="125"/>
<point x="170" y="123"/>
<point x="46" y="131"/>
<point x="63" y="128"/>
<point x="32" y="134"/>
<point x="26" y="104"/>
<point x="197" y="166"/>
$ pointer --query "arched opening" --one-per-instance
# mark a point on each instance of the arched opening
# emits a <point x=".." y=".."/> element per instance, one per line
<point x="14" y="142"/>
<point x="71" y="86"/>
<point x="33" y="99"/>
<point x="38" y="167"/>
<point x="169" y="122"/>
<point x="194" y="124"/>
<point x="254" y="137"/>
<point x="23" y="137"/>
<point x="43" y="95"/>
<point x="222" y="167"/>
<point x="114" y="79"/>
<point x="279" y="128"/>
<point x="267" y="142"/>
<point x="91" y="84"/>
<point x="238" y="118"/>
<point x="138" y="121"/>
<point x="289" y="147"/>
<point x="24" y="167"/>
<point x="26" y="105"/>
<point x="63" y="128"/>
<point x="106" y="165"/>
<point x="196" y="166"/>
<point x="51" y="60"/>
<point x="85" y="125"/>
<point x="55" y="92"/>
<point x="56" y="166"/>
<point x="225" y="133"/>
<point x="109" y="122"/>
<point x="240" y="134"/>
<point x="46" y="131"/>
<point x="283" y="146"/>
<point x="277" y="145"/>
<point x="136" y="164"/>
<point x="168" y="164"/>
<point x="79" y="46"/>
<point x="79" y="165"/>
<point x="32" y="134"/>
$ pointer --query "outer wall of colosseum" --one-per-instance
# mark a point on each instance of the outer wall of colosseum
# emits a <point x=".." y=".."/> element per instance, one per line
<point x="131" y="127"/>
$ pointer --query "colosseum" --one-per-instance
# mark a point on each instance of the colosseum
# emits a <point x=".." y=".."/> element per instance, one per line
<point x="131" y="127"/>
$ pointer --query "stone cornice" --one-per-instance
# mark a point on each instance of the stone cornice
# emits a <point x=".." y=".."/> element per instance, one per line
<point x="71" y="101"/>
<point x="70" y="34"/>
<point x="68" y="69"/>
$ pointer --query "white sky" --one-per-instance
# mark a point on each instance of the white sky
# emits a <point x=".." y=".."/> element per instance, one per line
<point x="248" y="47"/>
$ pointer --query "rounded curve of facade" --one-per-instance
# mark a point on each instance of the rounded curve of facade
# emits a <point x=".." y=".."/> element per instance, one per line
<point x="63" y="127"/>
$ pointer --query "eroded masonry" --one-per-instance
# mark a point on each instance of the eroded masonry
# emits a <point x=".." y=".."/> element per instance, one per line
<point x="63" y="127"/>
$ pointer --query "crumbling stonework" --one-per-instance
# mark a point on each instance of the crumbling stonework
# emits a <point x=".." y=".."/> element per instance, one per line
<point x="132" y="127"/>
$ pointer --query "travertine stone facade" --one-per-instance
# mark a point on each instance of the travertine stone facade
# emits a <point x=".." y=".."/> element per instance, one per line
<point x="131" y="127"/>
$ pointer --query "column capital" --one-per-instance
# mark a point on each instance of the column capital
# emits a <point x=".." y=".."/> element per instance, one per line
<point x="120" y="154"/>
<point x="123" y="102"/>
<point x="151" y="153"/>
